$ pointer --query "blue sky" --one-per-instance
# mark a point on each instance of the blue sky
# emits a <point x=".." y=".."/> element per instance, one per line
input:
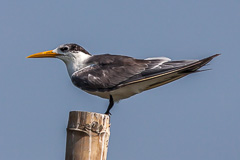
<point x="196" y="117"/>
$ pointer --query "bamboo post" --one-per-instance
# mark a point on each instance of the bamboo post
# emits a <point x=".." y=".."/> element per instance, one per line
<point x="87" y="136"/>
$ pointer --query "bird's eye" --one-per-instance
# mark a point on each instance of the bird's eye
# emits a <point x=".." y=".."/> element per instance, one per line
<point x="64" y="49"/>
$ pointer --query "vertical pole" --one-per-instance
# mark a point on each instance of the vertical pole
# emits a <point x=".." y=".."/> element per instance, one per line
<point x="87" y="136"/>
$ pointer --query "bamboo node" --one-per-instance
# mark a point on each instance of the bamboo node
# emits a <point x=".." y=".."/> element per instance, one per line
<point x="93" y="128"/>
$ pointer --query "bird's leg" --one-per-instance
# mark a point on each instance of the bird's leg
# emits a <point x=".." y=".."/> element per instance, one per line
<point x="111" y="103"/>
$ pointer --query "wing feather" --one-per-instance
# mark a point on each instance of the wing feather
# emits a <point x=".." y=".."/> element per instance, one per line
<point x="169" y="72"/>
<point x="105" y="72"/>
<point x="108" y="72"/>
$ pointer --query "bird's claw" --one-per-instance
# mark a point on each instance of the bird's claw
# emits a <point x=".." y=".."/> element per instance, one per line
<point x="108" y="113"/>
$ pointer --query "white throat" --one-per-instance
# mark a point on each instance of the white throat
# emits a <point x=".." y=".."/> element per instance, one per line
<point x="75" y="61"/>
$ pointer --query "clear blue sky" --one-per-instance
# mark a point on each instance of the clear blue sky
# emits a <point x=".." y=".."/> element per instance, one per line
<point x="196" y="117"/>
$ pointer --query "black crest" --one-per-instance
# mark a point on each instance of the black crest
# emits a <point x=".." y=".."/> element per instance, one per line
<point x="73" y="48"/>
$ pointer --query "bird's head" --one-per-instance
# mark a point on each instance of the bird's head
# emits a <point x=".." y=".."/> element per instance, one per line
<point x="72" y="54"/>
<point x="64" y="52"/>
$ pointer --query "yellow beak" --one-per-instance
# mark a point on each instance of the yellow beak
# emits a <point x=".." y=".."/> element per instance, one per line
<point x="44" y="54"/>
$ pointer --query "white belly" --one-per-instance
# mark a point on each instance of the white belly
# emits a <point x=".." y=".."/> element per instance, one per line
<point x="118" y="94"/>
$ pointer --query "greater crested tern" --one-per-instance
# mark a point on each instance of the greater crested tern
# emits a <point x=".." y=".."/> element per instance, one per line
<point x="117" y="77"/>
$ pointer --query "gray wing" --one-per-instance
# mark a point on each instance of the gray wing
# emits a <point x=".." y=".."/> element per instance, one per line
<point x="167" y="72"/>
<point x="108" y="72"/>
<point x="105" y="72"/>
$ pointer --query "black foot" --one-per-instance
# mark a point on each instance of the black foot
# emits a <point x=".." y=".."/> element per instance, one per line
<point x="111" y="103"/>
<point x="108" y="113"/>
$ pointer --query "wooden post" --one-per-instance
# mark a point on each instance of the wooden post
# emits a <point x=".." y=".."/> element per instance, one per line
<point x="87" y="136"/>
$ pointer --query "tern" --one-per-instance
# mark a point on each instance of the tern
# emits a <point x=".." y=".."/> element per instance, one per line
<point x="117" y="77"/>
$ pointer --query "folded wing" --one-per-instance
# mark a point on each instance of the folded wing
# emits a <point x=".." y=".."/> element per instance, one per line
<point x="105" y="72"/>
<point x="167" y="72"/>
<point x="109" y="72"/>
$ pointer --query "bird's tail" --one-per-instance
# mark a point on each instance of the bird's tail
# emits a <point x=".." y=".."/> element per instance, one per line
<point x="195" y="66"/>
<point x="179" y="72"/>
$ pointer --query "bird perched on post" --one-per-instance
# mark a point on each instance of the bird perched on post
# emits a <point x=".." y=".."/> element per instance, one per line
<point x="117" y="77"/>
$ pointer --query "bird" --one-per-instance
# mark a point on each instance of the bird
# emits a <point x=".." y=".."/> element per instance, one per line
<point x="117" y="77"/>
